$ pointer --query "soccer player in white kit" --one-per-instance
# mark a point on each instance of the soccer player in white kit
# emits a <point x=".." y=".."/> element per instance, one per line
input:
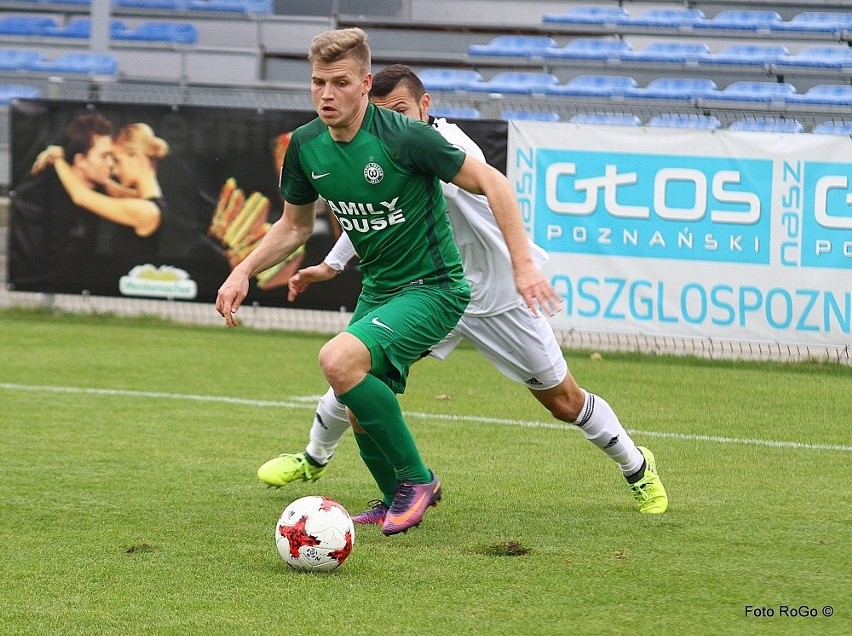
<point x="496" y="322"/>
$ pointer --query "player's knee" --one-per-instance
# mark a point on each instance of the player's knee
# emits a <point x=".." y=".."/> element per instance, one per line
<point x="342" y="367"/>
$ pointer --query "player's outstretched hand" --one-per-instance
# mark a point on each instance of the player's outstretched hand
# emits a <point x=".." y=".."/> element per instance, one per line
<point x="231" y="295"/>
<point x="303" y="279"/>
<point x="537" y="293"/>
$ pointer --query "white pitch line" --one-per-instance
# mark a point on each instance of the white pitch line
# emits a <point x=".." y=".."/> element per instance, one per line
<point x="309" y="401"/>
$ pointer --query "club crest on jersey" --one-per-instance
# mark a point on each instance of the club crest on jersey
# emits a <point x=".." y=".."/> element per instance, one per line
<point x="373" y="173"/>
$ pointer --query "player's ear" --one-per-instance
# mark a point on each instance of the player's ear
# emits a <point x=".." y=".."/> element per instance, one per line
<point x="425" y="104"/>
<point x="367" y="83"/>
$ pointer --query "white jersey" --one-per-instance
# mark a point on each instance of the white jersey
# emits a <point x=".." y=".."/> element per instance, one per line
<point x="485" y="257"/>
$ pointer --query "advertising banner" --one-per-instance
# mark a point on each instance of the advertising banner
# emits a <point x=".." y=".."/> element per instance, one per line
<point x="691" y="233"/>
<point x="162" y="201"/>
<point x="166" y="202"/>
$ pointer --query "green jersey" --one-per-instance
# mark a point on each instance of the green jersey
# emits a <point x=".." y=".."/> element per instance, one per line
<point x="384" y="188"/>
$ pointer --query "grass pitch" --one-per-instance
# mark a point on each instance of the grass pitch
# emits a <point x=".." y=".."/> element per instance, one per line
<point x="129" y="502"/>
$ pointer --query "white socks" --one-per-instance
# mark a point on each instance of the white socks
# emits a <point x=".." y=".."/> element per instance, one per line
<point x="597" y="420"/>
<point x="330" y="423"/>
<point x="601" y="427"/>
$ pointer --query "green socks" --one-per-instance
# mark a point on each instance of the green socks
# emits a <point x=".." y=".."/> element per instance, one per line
<point x="377" y="410"/>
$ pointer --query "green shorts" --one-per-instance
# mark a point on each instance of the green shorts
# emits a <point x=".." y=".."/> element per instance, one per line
<point x="398" y="331"/>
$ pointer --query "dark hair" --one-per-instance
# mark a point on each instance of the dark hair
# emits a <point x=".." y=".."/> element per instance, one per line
<point x="394" y="75"/>
<point x="81" y="133"/>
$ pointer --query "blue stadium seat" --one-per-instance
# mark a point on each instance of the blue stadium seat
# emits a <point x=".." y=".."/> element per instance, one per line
<point x="754" y="92"/>
<point x="529" y="115"/>
<point x="152" y="4"/>
<point x="833" y="128"/>
<point x="8" y="92"/>
<point x="79" y="64"/>
<point x="594" y="86"/>
<point x="455" y="113"/>
<point x="514" y="46"/>
<point x="685" y="120"/>
<point x="176" y="33"/>
<point x="674" y="88"/>
<point x="13" y="60"/>
<point x="589" y="15"/>
<point x="835" y="57"/>
<point x="231" y="6"/>
<point x="667" y="18"/>
<point x="448" y="79"/>
<point x="26" y="25"/>
<point x="591" y="49"/>
<point x="741" y="20"/>
<point x="611" y="119"/>
<point x="516" y="82"/>
<point x="670" y="52"/>
<point x="818" y="22"/>
<point x="767" y="124"/>
<point x="834" y="94"/>
<point x="82" y="28"/>
<point x="748" y="54"/>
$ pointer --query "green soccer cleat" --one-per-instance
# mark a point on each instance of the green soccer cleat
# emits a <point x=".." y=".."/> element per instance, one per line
<point x="289" y="467"/>
<point x="649" y="492"/>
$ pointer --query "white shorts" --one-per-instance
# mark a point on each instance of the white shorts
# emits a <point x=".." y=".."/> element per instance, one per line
<point x="521" y="346"/>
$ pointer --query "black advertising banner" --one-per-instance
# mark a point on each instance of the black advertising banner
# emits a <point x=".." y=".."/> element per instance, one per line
<point x="157" y="201"/>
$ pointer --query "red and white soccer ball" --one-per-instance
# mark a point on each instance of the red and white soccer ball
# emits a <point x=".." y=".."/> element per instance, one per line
<point x="314" y="534"/>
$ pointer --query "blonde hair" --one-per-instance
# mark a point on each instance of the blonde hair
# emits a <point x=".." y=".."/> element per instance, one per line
<point x="139" y="139"/>
<point x="338" y="44"/>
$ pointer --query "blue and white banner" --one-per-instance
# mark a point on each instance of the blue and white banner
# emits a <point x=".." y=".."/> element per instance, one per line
<point x="710" y="234"/>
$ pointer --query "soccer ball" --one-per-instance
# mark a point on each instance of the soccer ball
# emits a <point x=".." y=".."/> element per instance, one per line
<point x="314" y="534"/>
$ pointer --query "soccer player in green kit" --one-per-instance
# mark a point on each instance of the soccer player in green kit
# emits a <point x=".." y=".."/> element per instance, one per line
<point x="380" y="173"/>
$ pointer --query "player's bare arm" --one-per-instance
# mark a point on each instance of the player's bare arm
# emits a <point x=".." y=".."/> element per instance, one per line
<point x="306" y="276"/>
<point x="480" y="178"/>
<point x="284" y="237"/>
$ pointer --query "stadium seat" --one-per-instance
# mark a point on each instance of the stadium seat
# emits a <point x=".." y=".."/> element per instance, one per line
<point x="514" y="46"/>
<point x="767" y="124"/>
<point x="529" y="115"/>
<point x="833" y="128"/>
<point x="231" y="6"/>
<point x="25" y="25"/>
<point x="834" y="94"/>
<point x="741" y="20"/>
<point x="834" y="57"/>
<point x="610" y="119"/>
<point x="13" y="60"/>
<point x="674" y="88"/>
<point x="82" y="28"/>
<point x="8" y="92"/>
<point x="670" y="52"/>
<point x="448" y="79"/>
<point x="818" y="22"/>
<point x="685" y="120"/>
<point x="516" y="82"/>
<point x="594" y="86"/>
<point x="754" y="92"/>
<point x="670" y="18"/>
<point x="591" y="49"/>
<point x="748" y="54"/>
<point x="177" y="5"/>
<point x="589" y="15"/>
<point x="79" y="64"/>
<point x="455" y="113"/>
<point x="176" y="33"/>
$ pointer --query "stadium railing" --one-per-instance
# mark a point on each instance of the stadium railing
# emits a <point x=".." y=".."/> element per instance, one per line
<point x="767" y="124"/>
<point x="685" y="120"/>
